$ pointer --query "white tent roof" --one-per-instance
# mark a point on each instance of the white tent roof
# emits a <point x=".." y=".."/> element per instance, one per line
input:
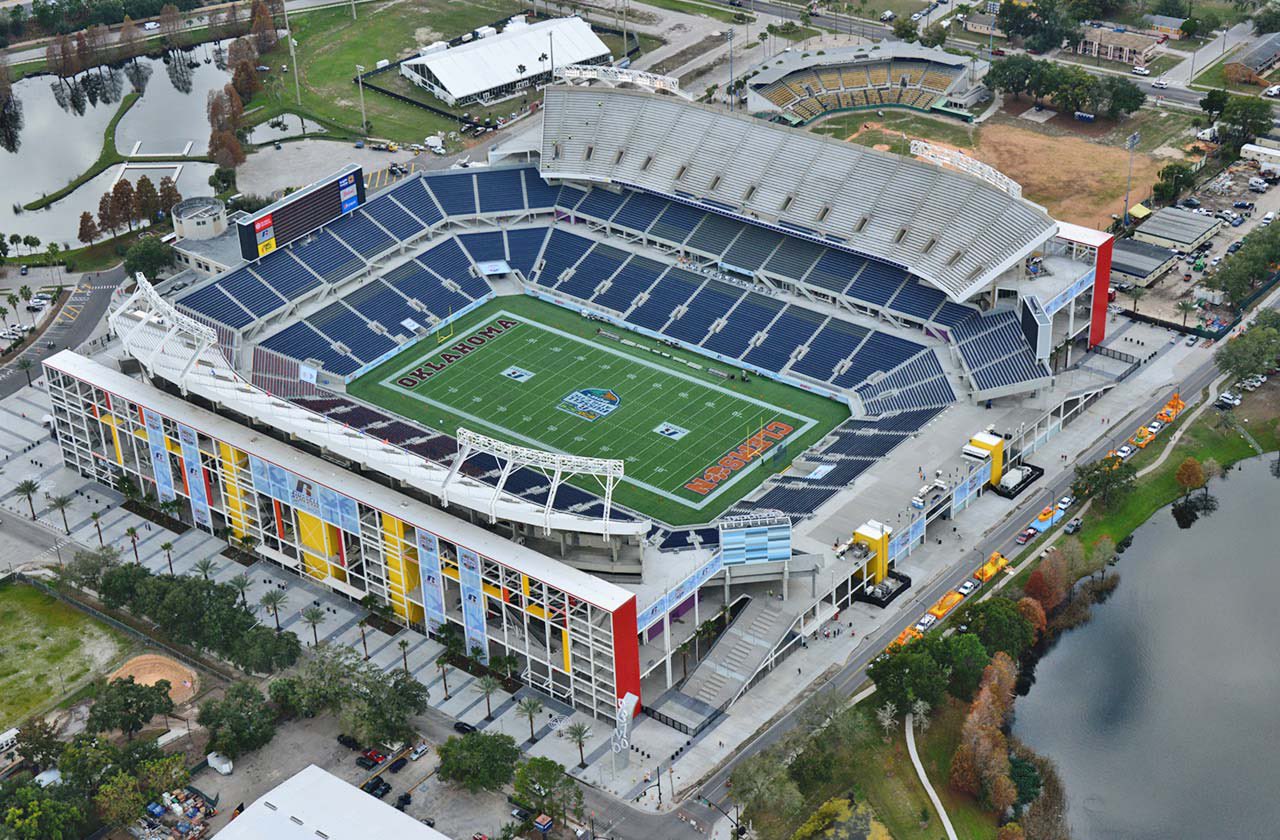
<point x="486" y="63"/>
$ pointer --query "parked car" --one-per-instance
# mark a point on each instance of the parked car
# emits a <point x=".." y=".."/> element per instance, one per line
<point x="1190" y="203"/>
<point x="1066" y="502"/>
<point x="1026" y="535"/>
<point x="374" y="756"/>
<point x="1125" y="452"/>
<point x="150" y="26"/>
<point x="1074" y="525"/>
<point x="967" y="587"/>
<point x="925" y="623"/>
<point x="23" y="270"/>
<point x="520" y="815"/>
<point x="463" y="728"/>
<point x="1155" y="426"/>
<point x="419" y="751"/>
<point x="365" y="762"/>
<point x="1140" y="71"/>
<point x="403" y="800"/>
<point x="398" y="764"/>
<point x="349" y="742"/>
<point x="1192" y="340"/>
<point x="1160" y="84"/>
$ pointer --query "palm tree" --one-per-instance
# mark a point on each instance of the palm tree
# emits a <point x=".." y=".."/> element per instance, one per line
<point x="248" y="543"/>
<point x="60" y="504"/>
<point x="578" y="733"/>
<point x="1137" y="293"/>
<point x="167" y="548"/>
<point x="205" y="566"/>
<point x="25" y="294"/>
<point x="170" y="508"/>
<point x="488" y="685"/>
<point x="520" y="70"/>
<point x="506" y="663"/>
<point x="403" y="644"/>
<point x="364" y="641"/>
<point x="683" y="650"/>
<point x="132" y="533"/>
<point x="4" y="313"/>
<point x="442" y="665"/>
<point x="530" y="707"/>
<point x="241" y="584"/>
<point x="29" y="488"/>
<point x="313" y="617"/>
<point x="1186" y="307"/>
<point x="271" y="601"/>
<point x="96" y="518"/>
<point x="25" y="365"/>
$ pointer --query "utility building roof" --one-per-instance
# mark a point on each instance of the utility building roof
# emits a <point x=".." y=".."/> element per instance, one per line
<point x="1179" y="226"/>
<point x="1138" y="259"/>
<point x="487" y="63"/>
<point x="1261" y="55"/>
<point x="954" y="230"/>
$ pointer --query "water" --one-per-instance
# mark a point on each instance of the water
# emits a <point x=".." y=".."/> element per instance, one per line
<point x="284" y="127"/>
<point x="1160" y="712"/>
<point x="62" y="130"/>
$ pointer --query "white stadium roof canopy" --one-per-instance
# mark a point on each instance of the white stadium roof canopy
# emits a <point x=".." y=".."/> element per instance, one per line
<point x="951" y="229"/>
<point x="486" y="63"/>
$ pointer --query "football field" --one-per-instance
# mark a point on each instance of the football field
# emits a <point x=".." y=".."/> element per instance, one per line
<point x="693" y="443"/>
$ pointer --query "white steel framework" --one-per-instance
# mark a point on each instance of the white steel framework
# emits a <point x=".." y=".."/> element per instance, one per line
<point x="942" y="156"/>
<point x="615" y="76"/>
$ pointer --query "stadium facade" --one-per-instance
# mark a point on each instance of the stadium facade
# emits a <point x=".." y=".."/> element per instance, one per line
<point x="897" y="287"/>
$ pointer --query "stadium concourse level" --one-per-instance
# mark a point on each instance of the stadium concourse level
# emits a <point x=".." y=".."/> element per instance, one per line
<point x="897" y="82"/>
<point x="899" y="382"/>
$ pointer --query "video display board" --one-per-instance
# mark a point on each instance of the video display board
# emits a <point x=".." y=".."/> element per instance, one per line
<point x="301" y="212"/>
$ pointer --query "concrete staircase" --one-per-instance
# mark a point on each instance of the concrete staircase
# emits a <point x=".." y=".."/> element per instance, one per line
<point x="739" y="653"/>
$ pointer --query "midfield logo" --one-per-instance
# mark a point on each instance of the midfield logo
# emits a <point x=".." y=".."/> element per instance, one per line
<point x="590" y="403"/>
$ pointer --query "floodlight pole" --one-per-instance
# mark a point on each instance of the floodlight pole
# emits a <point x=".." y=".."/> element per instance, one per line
<point x="1130" y="143"/>
<point x="364" y="121"/>
<point x="293" y="56"/>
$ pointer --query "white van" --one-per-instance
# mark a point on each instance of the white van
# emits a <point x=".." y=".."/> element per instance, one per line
<point x="887" y="16"/>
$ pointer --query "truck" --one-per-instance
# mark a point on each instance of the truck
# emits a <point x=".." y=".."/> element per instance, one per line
<point x="1014" y="477"/>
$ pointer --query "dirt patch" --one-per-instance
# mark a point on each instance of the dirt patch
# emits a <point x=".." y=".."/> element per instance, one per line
<point x="150" y="668"/>
<point x="1075" y="179"/>
<point x="426" y="35"/>
<point x="881" y="147"/>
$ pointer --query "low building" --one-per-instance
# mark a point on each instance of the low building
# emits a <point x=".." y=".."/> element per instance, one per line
<point x="1173" y="227"/>
<point x="205" y="236"/>
<point x="1250" y="64"/>
<point x="316" y="804"/>
<point x="491" y="67"/>
<point x="980" y="23"/>
<point x="1158" y="25"/>
<point x="1140" y="263"/>
<point x="1128" y="47"/>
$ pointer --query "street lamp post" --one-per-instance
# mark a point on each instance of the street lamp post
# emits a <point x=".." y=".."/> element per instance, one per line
<point x="293" y="56"/>
<point x="1130" y="143"/>
<point x="364" y="121"/>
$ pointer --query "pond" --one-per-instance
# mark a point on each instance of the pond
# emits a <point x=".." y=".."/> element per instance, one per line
<point x="1160" y="712"/>
<point x="63" y="123"/>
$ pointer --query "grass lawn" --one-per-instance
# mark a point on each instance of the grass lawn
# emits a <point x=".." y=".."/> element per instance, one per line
<point x="720" y="13"/>
<point x="45" y="647"/>
<point x="1214" y="76"/>
<point x="1158" y="127"/>
<point x="547" y="380"/>
<point x="893" y="125"/>
<point x="1160" y="65"/>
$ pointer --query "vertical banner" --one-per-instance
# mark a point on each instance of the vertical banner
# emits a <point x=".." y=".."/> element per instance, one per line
<point x="195" y="477"/>
<point x="432" y="585"/>
<point x="159" y="455"/>
<point x="472" y="601"/>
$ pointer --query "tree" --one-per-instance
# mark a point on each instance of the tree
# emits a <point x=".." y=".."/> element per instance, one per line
<point x="1244" y="118"/>
<point x="965" y="659"/>
<point x="240" y="722"/>
<point x="1253" y="351"/>
<point x="934" y="35"/>
<point x="146" y="201"/>
<point x="1136" y="293"/>
<point x="241" y="583"/>
<point x="170" y="26"/>
<point x="169" y="195"/>
<point x="403" y="644"/>
<point x="1030" y="609"/>
<point x="1174" y="178"/>
<point x="205" y="567"/>
<point x="132" y="533"/>
<point x="88" y="228"/>
<point x="1048" y="583"/>
<point x="905" y="29"/>
<point x="119" y="801"/>
<point x="313" y="617"/>
<point x="106" y="218"/>
<point x="157" y="775"/>
<point x="1109" y="479"/>
<point x="1266" y="20"/>
<point x="763" y="783"/>
<point x="578" y="733"/>
<point x="271" y="601"/>
<point x="1186" y="307"/>
<point x="887" y="717"/>
<point x="488" y="685"/>
<point x="85" y="568"/>
<point x="28" y="487"/>
<point x="1190" y="476"/>
<point x="36" y="813"/>
<point x="262" y="27"/>
<point x="225" y="149"/>
<point x="909" y="673"/>
<point x="543" y="783"/>
<point x="1122" y="96"/>
<point x="127" y="706"/>
<point x="1104" y="550"/>
<point x="245" y="80"/>
<point x="167" y="548"/>
<point x="1211" y="469"/>
<point x="122" y="203"/>
<point x="478" y="760"/>
<point x="38" y="743"/>
<point x="529" y="707"/>
<point x="997" y="622"/>
<point x="1010" y="831"/>
<point x="148" y="256"/>
<point x="60" y="504"/>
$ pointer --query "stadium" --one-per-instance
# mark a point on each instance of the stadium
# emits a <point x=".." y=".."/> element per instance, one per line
<point x="652" y="361"/>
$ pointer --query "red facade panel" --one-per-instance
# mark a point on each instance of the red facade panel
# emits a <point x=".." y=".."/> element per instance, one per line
<point x="626" y="651"/>
<point x="1101" y="291"/>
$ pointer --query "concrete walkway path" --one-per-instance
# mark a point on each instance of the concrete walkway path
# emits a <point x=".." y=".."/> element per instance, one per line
<point x="924" y="780"/>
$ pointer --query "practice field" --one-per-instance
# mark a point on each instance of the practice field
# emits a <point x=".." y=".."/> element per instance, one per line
<point x="531" y="373"/>
<point x="46" y="647"/>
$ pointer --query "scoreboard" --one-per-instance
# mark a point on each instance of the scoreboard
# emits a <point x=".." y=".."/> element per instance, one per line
<point x="301" y="212"/>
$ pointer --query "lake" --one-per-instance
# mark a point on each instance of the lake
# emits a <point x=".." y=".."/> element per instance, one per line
<point x="1160" y="712"/>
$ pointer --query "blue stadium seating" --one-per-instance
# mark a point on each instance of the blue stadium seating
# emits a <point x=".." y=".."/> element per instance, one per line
<point x="597" y="266"/>
<point x="448" y="260"/>
<point x="794" y="327"/>
<point x="996" y="352"/>
<point x="749" y="317"/>
<point x="715" y="234"/>
<point x="953" y="314"/>
<point x="455" y="192"/>
<point x="794" y="498"/>
<point x="523" y="247"/>
<point x="570" y="197"/>
<point x="675" y="287"/>
<point x="634" y="277"/>
<point x="873" y="445"/>
<point x="382" y="303"/>
<point x="600" y="204"/>
<point x="639" y="211"/>
<point x="563" y="249"/>
<point x="394" y="218"/>
<point x="794" y="258"/>
<point x="881" y="351"/>
<point x="919" y="383"/>
<point x="364" y="237"/>
<point x="877" y="283"/>
<point x="917" y="300"/>
<point x="300" y="341"/>
<point x="711" y="302"/>
<point x="486" y="246"/>
<point x="327" y="256"/>
<point x="835" y="270"/>
<point x="414" y="281"/>
<point x="752" y="248"/>
<point x="832" y="345"/>
<point x="676" y="222"/>
<point x="345" y="325"/>
<point x="538" y="192"/>
<point x="500" y="189"/>
<point x="907" y="422"/>
<point x="213" y="303"/>
<point x="412" y="193"/>
<point x="281" y="271"/>
<point x="250" y="292"/>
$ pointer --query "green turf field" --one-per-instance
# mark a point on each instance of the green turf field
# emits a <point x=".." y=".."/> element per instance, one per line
<point x="531" y="373"/>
